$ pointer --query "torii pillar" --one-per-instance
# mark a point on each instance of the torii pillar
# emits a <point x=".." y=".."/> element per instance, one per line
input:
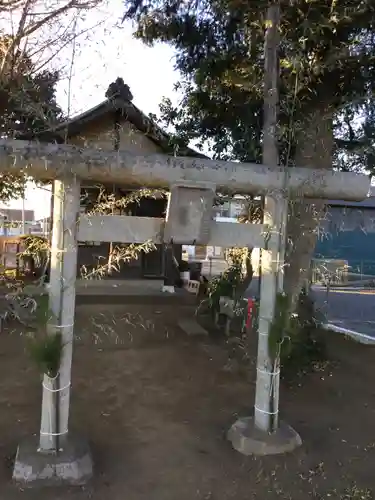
<point x="66" y="164"/>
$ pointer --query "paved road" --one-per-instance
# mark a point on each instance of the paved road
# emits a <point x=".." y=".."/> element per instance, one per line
<point x="352" y="309"/>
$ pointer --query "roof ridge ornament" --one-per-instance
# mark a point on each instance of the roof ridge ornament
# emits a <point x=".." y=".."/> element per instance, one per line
<point x="119" y="90"/>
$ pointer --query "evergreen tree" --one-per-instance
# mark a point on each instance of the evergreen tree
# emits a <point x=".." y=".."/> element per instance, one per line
<point x="326" y="65"/>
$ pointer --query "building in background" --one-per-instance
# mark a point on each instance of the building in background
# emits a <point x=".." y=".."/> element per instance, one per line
<point x="15" y="222"/>
<point x="345" y="248"/>
<point x="347" y="238"/>
<point x="213" y="259"/>
<point x="229" y="210"/>
<point x="45" y="226"/>
<point x="116" y="123"/>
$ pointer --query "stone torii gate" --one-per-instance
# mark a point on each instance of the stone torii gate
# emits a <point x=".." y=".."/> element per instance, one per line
<point x="192" y="183"/>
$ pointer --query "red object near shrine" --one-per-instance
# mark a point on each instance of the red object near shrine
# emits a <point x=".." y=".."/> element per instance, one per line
<point x="250" y="313"/>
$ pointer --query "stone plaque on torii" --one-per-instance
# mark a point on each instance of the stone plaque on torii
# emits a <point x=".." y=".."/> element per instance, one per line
<point x="192" y="184"/>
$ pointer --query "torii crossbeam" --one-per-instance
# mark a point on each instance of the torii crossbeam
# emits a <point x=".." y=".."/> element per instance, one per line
<point x="45" y="161"/>
<point x="68" y="165"/>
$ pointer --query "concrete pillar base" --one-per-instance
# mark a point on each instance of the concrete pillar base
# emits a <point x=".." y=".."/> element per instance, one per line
<point x="71" y="466"/>
<point x="248" y="440"/>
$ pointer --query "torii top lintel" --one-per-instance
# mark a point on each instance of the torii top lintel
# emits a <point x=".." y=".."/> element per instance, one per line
<point x="46" y="161"/>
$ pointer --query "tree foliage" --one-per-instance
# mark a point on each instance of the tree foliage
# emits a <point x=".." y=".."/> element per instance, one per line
<point x="327" y="66"/>
<point x="355" y="132"/>
<point x="33" y="35"/>
<point x="27" y="107"/>
<point x="326" y="61"/>
<point x="27" y="101"/>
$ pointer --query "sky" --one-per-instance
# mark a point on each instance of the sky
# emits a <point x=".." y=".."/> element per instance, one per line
<point x="100" y="56"/>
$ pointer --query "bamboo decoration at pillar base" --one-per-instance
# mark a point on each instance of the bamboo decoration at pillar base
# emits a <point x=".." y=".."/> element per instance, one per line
<point x="46" y="353"/>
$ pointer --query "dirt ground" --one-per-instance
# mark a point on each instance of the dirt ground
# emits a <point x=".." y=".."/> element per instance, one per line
<point x="156" y="405"/>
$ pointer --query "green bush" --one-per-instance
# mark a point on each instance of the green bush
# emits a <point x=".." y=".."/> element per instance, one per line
<point x="224" y="285"/>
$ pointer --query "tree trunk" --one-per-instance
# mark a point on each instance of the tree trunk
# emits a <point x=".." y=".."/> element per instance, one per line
<point x="313" y="149"/>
